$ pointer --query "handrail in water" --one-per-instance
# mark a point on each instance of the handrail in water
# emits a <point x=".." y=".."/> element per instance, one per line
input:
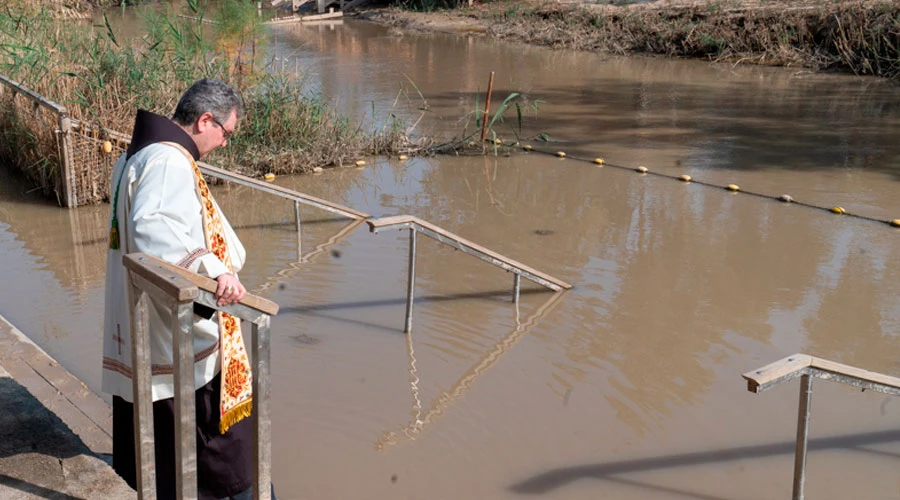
<point x="460" y="243"/>
<point x="808" y="367"/>
<point x="276" y="190"/>
<point x="417" y="225"/>
<point x="179" y="289"/>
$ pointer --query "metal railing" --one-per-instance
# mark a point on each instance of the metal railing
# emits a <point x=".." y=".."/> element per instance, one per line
<point x="416" y="225"/>
<point x="179" y="289"/>
<point x="295" y="196"/>
<point x="809" y="367"/>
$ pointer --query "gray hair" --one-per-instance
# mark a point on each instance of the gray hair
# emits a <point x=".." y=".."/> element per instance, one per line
<point x="207" y="96"/>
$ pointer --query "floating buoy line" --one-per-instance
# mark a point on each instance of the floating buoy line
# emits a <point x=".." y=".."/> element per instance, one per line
<point x="734" y="188"/>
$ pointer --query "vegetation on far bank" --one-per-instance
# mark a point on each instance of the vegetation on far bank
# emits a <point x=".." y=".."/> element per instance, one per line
<point x="861" y="37"/>
<point x="102" y="79"/>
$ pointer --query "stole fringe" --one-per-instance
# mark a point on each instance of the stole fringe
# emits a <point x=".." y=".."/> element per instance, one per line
<point x="235" y="415"/>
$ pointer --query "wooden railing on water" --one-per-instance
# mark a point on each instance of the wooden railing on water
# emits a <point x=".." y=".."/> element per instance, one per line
<point x="416" y="225"/>
<point x="180" y="289"/>
<point x="64" y="122"/>
<point x="806" y="367"/>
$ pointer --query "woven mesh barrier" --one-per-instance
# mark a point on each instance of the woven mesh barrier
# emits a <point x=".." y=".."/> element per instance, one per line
<point x="89" y="164"/>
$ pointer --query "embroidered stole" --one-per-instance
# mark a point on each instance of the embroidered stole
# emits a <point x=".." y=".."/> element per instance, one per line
<point x="237" y="381"/>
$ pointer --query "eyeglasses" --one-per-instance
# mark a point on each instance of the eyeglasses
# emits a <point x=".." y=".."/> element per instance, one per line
<point x="225" y="132"/>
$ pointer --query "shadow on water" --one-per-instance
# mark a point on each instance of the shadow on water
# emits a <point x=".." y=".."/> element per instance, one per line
<point x="557" y="478"/>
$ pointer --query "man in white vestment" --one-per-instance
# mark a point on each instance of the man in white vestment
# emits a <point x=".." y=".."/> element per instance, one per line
<point x="161" y="206"/>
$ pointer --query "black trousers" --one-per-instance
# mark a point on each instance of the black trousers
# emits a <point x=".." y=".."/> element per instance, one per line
<point x="224" y="461"/>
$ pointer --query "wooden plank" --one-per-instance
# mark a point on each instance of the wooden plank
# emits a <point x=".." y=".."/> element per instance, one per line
<point x="426" y="227"/>
<point x="283" y="20"/>
<point x="328" y="15"/>
<point x="281" y="191"/>
<point x="789" y="367"/>
<point x="185" y="412"/>
<point x="34" y="96"/>
<point x="145" y="463"/>
<point x="163" y="274"/>
<point x="854" y="372"/>
<point x="262" y="414"/>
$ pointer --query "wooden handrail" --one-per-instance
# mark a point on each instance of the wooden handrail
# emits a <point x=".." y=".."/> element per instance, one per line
<point x="806" y="368"/>
<point x="180" y="290"/>
<point x="282" y="192"/>
<point x="460" y="243"/>
<point x="34" y="96"/>
<point x="181" y="284"/>
<point x="797" y="365"/>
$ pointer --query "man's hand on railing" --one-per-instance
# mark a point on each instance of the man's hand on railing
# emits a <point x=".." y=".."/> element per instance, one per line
<point x="230" y="289"/>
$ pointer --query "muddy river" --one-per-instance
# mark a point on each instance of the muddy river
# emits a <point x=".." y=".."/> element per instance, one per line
<point x="629" y="385"/>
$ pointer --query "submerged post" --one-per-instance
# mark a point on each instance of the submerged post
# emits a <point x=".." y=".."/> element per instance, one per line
<point x="297" y="215"/>
<point x="802" y="437"/>
<point x="411" y="283"/>
<point x="64" y="139"/>
<point x="517" y="285"/>
<point x="487" y="107"/>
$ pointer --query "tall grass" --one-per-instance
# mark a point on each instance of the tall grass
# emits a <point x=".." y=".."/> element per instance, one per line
<point x="102" y="79"/>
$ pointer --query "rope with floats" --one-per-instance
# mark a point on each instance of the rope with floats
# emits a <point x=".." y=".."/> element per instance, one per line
<point x="734" y="188"/>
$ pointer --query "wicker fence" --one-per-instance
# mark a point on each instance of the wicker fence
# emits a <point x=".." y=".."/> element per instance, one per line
<point x="62" y="155"/>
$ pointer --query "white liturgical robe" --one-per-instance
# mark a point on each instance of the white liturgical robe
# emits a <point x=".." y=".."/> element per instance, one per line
<point x="159" y="214"/>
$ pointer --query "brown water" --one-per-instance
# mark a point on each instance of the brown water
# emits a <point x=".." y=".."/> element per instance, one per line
<point x="627" y="386"/>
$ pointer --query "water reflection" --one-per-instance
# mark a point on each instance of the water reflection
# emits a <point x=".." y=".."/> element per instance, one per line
<point x="421" y="419"/>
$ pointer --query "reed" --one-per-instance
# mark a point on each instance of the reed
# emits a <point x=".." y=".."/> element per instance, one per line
<point x="102" y="79"/>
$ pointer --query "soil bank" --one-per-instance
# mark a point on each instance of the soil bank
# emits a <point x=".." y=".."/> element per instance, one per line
<point x="861" y="37"/>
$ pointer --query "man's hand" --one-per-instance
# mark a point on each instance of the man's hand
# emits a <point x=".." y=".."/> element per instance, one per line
<point x="230" y="289"/>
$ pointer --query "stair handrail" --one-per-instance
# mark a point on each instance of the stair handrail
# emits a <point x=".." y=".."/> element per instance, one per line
<point x="808" y="367"/>
<point x="417" y="225"/>
<point x="179" y="289"/>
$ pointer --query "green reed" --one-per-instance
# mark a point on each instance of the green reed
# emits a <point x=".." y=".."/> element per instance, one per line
<point x="102" y="78"/>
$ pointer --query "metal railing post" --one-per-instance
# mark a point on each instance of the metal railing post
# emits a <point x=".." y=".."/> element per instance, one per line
<point x="299" y="240"/>
<point x="411" y="283"/>
<point x="806" y="368"/>
<point x="262" y="421"/>
<point x="185" y="416"/>
<point x="802" y="437"/>
<point x="517" y="285"/>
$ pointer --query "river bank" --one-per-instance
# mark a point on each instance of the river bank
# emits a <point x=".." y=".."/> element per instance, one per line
<point x="847" y="36"/>
<point x="54" y="429"/>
